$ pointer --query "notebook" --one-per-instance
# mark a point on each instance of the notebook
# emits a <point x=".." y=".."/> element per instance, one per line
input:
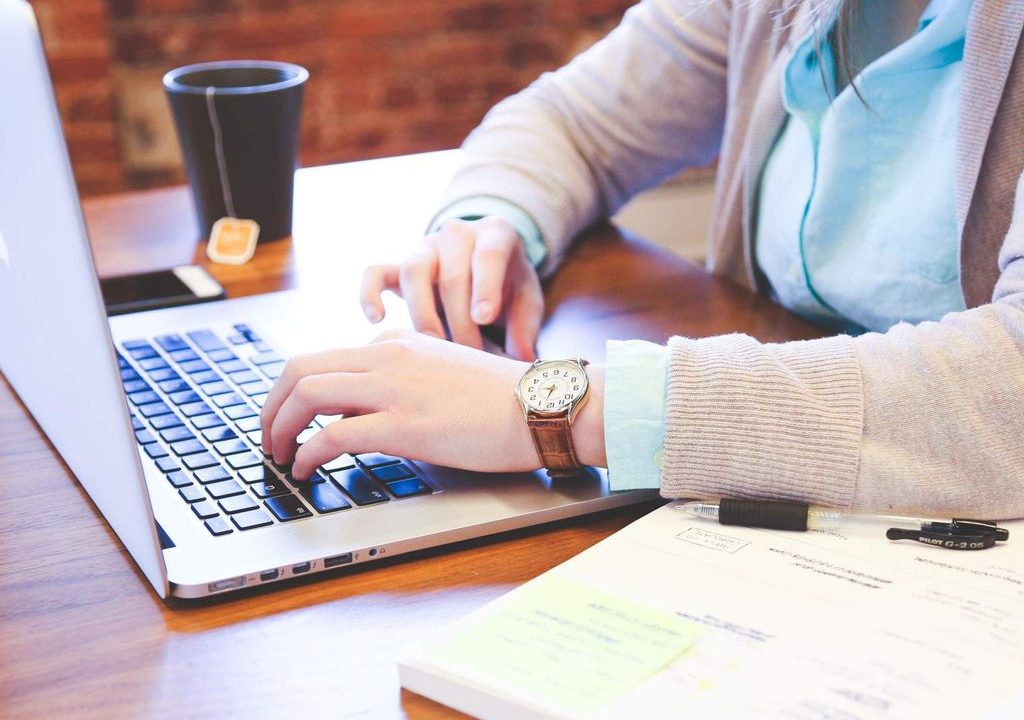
<point x="680" y="617"/>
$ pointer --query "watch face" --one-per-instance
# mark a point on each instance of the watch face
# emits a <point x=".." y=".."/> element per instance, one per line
<point x="552" y="386"/>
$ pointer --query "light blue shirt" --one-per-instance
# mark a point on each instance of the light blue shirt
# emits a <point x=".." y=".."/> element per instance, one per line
<point x="856" y="221"/>
<point x="856" y="224"/>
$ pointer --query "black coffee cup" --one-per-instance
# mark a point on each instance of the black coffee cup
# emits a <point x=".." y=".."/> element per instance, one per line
<point x="238" y="122"/>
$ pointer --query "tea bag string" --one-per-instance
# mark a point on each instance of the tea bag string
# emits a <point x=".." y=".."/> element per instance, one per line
<point x="218" y="151"/>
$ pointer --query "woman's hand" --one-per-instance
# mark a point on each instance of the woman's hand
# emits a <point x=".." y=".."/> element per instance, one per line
<point x="479" y="275"/>
<point x="415" y="396"/>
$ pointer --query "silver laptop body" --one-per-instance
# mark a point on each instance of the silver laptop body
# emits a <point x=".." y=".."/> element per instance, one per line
<point x="61" y="354"/>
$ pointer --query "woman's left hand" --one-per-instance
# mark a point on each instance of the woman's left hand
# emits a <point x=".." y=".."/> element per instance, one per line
<point x="403" y="394"/>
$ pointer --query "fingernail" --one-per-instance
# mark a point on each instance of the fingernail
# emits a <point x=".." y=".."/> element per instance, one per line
<point x="482" y="312"/>
<point x="372" y="313"/>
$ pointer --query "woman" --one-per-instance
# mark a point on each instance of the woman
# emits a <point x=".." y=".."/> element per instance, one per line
<point x="869" y="152"/>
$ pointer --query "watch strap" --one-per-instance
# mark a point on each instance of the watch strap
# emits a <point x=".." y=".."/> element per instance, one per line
<point x="553" y="439"/>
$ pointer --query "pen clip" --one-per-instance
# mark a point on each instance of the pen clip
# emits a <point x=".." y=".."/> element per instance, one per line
<point x="959" y="534"/>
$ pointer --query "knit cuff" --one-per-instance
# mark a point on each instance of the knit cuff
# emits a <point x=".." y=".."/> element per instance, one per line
<point x="744" y="419"/>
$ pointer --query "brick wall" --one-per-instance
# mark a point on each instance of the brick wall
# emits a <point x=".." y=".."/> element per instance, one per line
<point x="387" y="76"/>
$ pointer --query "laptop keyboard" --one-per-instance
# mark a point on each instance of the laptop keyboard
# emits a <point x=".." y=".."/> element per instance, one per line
<point x="195" y="401"/>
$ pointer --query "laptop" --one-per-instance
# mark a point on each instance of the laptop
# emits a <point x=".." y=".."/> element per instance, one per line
<point x="156" y="413"/>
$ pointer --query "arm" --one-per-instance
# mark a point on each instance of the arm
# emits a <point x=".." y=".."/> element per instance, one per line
<point x="927" y="417"/>
<point x="643" y="103"/>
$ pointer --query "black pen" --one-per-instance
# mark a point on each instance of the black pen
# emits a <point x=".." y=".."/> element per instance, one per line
<point x="955" y="534"/>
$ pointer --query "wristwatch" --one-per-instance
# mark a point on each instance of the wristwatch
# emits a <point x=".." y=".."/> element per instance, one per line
<point x="551" y="393"/>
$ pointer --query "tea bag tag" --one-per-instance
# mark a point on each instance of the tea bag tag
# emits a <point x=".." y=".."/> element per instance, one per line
<point x="232" y="241"/>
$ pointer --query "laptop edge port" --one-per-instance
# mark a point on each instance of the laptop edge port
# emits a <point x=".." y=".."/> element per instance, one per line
<point x="343" y="559"/>
<point x="268" y="575"/>
<point x="300" y="568"/>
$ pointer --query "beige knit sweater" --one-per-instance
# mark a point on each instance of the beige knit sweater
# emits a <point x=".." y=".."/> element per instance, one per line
<point x="927" y="417"/>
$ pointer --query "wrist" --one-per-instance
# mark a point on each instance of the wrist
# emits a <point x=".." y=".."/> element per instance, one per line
<point x="588" y="427"/>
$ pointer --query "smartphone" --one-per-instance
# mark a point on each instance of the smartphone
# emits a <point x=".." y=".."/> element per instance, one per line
<point x="183" y="285"/>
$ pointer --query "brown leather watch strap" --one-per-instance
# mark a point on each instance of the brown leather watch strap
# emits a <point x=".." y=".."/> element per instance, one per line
<point x="553" y="439"/>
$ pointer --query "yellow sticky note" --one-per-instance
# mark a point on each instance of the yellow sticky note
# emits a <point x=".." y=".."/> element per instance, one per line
<point x="567" y="645"/>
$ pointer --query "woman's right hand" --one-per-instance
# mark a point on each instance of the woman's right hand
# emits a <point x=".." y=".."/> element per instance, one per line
<point x="474" y="273"/>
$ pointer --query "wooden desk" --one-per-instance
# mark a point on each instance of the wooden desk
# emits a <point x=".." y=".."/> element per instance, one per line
<point x="82" y="634"/>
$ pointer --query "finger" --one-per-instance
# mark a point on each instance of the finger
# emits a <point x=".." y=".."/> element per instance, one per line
<point x="376" y="280"/>
<point x="522" y="324"/>
<point x="495" y="243"/>
<point x="359" y="434"/>
<point x="416" y="279"/>
<point x="326" y="394"/>
<point x="343" y="360"/>
<point x="454" y="251"/>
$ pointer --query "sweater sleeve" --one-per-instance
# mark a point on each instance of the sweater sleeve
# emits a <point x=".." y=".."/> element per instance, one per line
<point x="920" y="418"/>
<point x="641" y="104"/>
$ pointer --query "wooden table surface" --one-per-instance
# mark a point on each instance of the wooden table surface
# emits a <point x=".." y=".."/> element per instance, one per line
<point x="81" y="632"/>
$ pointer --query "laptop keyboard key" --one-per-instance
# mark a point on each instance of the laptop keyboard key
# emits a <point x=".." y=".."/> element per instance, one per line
<point x="163" y="422"/>
<point x="195" y="408"/>
<point x="232" y="366"/>
<point x="227" y="400"/>
<point x="204" y="377"/>
<point x="230" y="447"/>
<point x="224" y="489"/>
<point x="153" y="409"/>
<point x="217" y="434"/>
<point x="272" y="370"/>
<point x="133" y="386"/>
<point x="237" y="504"/>
<point x="192" y="494"/>
<point x="135" y="344"/>
<point x="204" y="510"/>
<point x="194" y="366"/>
<point x="270" y="488"/>
<point x="203" y="422"/>
<point x="143" y="397"/>
<point x="325" y="498"/>
<point x="211" y="474"/>
<point x="187" y="447"/>
<point x="342" y="462"/>
<point x="359" y="487"/>
<point x="144" y="437"/>
<point x="242" y="377"/>
<point x="221" y="355"/>
<point x="167" y="464"/>
<point x="198" y="462"/>
<point x="249" y="459"/>
<point x="184" y="397"/>
<point x="144" y="353"/>
<point x="287" y="507"/>
<point x="239" y="412"/>
<point x="178" y="479"/>
<point x="136" y="423"/>
<point x="248" y="424"/>
<point x="164" y="374"/>
<point x="174" y="386"/>
<point x="256" y="387"/>
<point x="389" y="473"/>
<point x="128" y="374"/>
<point x="155" y="451"/>
<point x="372" y="460"/>
<point x="176" y="434"/>
<point x="153" y="363"/>
<point x="180" y="356"/>
<point x="257" y="473"/>
<point x="265" y="358"/>
<point x="171" y="343"/>
<point x="205" y="340"/>
<point x="218" y="526"/>
<point x="408" y="487"/>
<point x="251" y="519"/>
<point x="217" y="387"/>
